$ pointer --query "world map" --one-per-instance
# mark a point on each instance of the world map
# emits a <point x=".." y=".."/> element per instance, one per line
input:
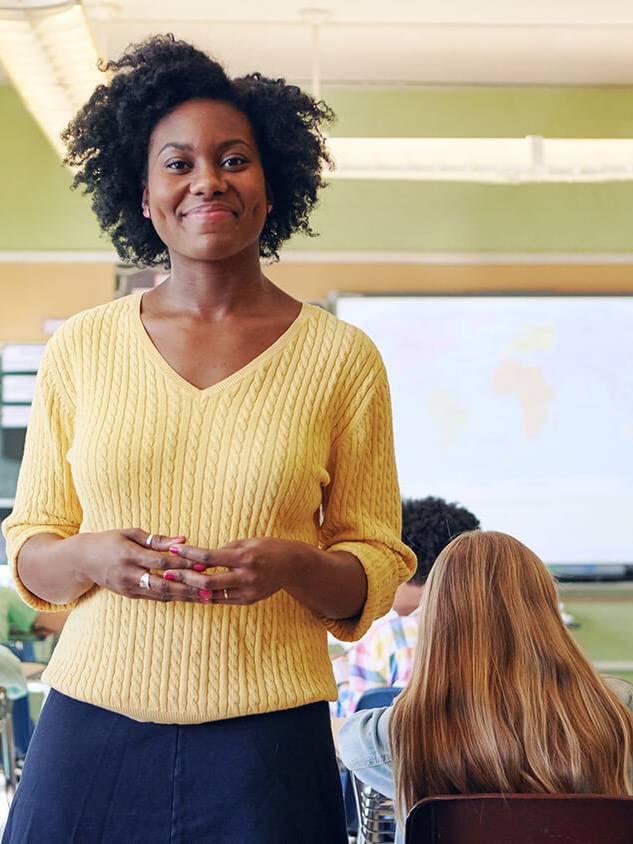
<point x="518" y="407"/>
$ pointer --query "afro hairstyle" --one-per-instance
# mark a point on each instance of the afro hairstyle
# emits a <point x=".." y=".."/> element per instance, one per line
<point x="108" y="139"/>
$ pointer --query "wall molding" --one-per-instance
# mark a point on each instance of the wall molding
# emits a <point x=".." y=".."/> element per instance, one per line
<point x="55" y="257"/>
<point x="362" y="257"/>
<point x="459" y="258"/>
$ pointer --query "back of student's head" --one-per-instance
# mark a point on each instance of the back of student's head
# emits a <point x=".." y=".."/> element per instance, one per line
<point x="428" y="525"/>
<point x="501" y="698"/>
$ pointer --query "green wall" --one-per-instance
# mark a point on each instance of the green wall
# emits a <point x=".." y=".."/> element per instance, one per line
<point x="37" y="209"/>
<point x="486" y="112"/>
<point x="39" y="212"/>
<point x="455" y="217"/>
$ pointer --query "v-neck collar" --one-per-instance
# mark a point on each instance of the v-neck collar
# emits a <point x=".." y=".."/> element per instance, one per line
<point x="150" y="349"/>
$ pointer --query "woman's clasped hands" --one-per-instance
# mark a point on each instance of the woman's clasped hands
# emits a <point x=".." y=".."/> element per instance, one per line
<point x="255" y="569"/>
<point x="136" y="564"/>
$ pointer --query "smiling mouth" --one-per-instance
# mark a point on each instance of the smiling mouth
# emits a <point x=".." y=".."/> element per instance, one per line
<point x="211" y="214"/>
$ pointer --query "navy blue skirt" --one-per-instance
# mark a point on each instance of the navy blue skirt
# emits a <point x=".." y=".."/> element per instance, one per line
<point x="95" y="776"/>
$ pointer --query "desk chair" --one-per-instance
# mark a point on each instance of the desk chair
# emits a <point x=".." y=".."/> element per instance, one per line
<point x="7" y="746"/>
<point x="521" y="819"/>
<point x="26" y="646"/>
<point x="374" y="813"/>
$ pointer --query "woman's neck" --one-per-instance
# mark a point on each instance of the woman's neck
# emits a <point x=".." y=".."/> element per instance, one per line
<point x="221" y="288"/>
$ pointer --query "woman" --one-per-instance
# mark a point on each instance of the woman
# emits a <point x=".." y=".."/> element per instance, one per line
<point x="501" y="699"/>
<point x="208" y="482"/>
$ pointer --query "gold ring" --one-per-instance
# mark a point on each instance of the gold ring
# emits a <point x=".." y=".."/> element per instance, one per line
<point x="226" y="594"/>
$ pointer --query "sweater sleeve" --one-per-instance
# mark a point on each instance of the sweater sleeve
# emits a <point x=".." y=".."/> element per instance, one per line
<point x="362" y="507"/>
<point x="46" y="501"/>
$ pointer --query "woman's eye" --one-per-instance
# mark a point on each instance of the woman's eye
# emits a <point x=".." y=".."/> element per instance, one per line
<point x="176" y="164"/>
<point x="234" y="161"/>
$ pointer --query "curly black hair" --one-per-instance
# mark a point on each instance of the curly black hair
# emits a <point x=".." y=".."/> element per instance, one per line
<point x="108" y="139"/>
<point x="428" y="525"/>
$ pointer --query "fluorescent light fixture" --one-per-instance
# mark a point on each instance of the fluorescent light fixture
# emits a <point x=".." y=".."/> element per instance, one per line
<point x="497" y="160"/>
<point x="50" y="57"/>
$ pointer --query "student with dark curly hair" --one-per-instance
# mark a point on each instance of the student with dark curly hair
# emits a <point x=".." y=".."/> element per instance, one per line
<point x="384" y="655"/>
<point x="208" y="482"/>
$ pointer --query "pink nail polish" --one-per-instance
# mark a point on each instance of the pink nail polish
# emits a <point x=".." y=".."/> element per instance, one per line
<point x="169" y="575"/>
<point x="174" y="550"/>
<point x="179" y="539"/>
<point x="204" y="594"/>
<point x="198" y="567"/>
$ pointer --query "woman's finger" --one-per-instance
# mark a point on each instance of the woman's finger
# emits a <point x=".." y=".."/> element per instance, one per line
<point x="157" y="560"/>
<point x="225" y="557"/>
<point x="211" y="583"/>
<point x="227" y="588"/>
<point x="152" y="551"/>
<point x="153" y="587"/>
<point x="158" y="542"/>
<point x="155" y="541"/>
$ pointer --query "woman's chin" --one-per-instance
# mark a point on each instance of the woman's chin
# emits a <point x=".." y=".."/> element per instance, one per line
<point x="215" y="246"/>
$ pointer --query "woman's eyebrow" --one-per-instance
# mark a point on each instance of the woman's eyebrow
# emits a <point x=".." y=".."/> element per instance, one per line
<point x="189" y="147"/>
<point x="175" y="145"/>
<point x="232" y="142"/>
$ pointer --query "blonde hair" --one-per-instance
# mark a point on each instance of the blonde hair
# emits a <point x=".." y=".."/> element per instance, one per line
<point x="501" y="699"/>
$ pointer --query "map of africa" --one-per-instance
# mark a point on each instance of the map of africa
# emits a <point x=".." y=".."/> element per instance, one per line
<point x="531" y="389"/>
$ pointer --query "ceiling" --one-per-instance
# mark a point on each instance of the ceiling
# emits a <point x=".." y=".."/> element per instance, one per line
<point x="401" y="42"/>
<point x="404" y="41"/>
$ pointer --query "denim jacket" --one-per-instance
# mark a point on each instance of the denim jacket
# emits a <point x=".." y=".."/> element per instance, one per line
<point x="363" y="744"/>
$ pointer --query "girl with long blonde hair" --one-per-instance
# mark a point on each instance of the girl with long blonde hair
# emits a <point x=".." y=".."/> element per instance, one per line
<point x="501" y="698"/>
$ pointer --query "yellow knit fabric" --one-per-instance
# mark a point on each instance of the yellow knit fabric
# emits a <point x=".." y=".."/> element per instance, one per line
<point x="296" y="444"/>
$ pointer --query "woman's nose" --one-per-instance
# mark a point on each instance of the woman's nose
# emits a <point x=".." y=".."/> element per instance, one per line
<point x="208" y="180"/>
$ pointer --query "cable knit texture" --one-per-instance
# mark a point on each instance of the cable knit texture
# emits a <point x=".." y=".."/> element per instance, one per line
<point x="297" y="444"/>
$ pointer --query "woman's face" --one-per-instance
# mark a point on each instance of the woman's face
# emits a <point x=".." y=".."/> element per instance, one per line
<point x="206" y="191"/>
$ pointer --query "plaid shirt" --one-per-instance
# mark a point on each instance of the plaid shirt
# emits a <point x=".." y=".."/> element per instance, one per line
<point x="383" y="657"/>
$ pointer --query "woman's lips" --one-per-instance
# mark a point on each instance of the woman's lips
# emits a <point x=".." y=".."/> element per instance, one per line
<point x="210" y="214"/>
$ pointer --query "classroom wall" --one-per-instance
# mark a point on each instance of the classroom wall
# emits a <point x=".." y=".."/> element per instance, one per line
<point x="37" y="208"/>
<point x="39" y="212"/>
<point x="33" y="292"/>
<point x="321" y="281"/>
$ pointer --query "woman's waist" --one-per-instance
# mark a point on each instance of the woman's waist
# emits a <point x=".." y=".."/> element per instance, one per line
<point x="191" y="663"/>
<point x="153" y="636"/>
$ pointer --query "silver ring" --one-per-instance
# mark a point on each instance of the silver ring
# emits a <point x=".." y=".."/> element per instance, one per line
<point x="226" y="594"/>
<point x="143" y="580"/>
<point x="149" y="539"/>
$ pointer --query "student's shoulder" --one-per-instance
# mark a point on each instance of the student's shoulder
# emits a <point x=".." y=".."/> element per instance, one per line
<point x="622" y="688"/>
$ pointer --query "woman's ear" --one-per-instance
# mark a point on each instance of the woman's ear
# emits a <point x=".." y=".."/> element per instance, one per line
<point x="145" y="203"/>
<point x="269" y="198"/>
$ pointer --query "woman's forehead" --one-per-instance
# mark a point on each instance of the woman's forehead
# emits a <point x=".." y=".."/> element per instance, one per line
<point x="201" y="123"/>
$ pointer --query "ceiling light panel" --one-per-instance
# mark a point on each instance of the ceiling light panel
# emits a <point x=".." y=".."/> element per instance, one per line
<point x="51" y="59"/>
<point x="497" y="160"/>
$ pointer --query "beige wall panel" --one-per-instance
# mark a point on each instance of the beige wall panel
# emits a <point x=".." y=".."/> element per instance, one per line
<point x="318" y="281"/>
<point x="31" y="293"/>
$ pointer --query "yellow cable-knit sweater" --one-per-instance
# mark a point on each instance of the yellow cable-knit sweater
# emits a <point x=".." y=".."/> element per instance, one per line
<point x="297" y="444"/>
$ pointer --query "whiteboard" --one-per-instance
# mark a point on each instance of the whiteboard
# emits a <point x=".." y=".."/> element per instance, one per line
<point x="518" y="407"/>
